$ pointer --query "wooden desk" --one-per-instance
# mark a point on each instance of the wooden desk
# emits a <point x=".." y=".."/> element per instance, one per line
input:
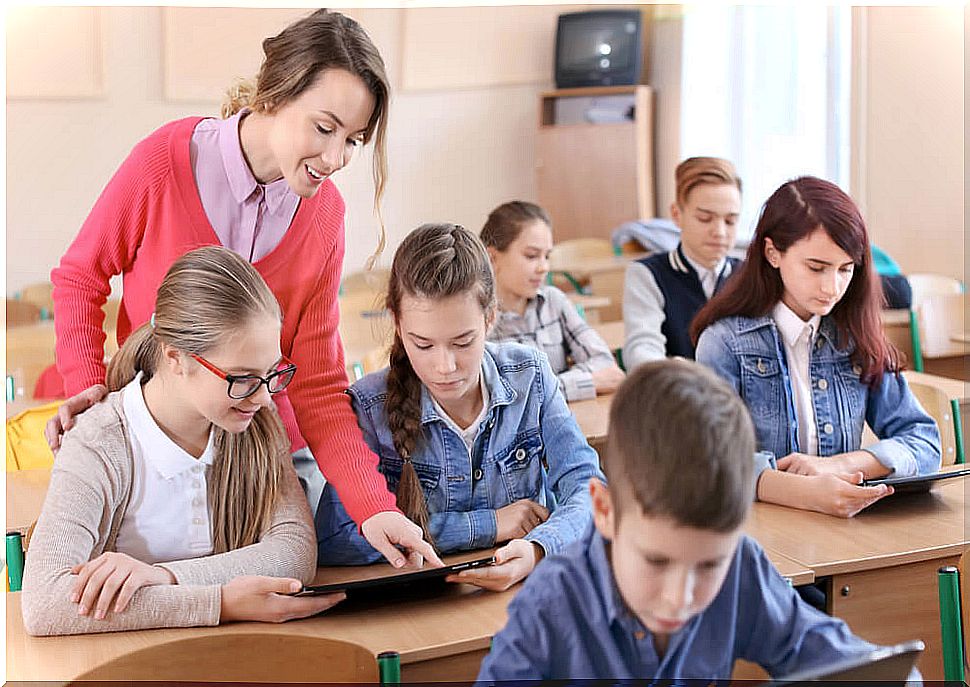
<point x="440" y="638"/>
<point x="591" y="305"/>
<point x="26" y="490"/>
<point x="881" y="564"/>
<point x="963" y="337"/>
<point x="593" y="417"/>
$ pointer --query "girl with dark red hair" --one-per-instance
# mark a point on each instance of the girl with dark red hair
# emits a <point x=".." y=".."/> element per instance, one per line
<point x="798" y="334"/>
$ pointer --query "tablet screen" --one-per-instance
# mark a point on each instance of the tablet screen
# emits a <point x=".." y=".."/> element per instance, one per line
<point x="388" y="581"/>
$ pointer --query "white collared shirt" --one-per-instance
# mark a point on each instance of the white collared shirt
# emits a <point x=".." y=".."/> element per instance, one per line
<point x="708" y="277"/>
<point x="167" y="518"/>
<point x="797" y="337"/>
<point x="470" y="433"/>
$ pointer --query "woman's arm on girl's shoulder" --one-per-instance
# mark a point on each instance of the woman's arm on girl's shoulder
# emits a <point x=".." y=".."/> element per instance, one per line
<point x="909" y="438"/>
<point x="86" y="490"/>
<point x="572" y="462"/>
<point x="288" y="547"/>
<point x="105" y="246"/>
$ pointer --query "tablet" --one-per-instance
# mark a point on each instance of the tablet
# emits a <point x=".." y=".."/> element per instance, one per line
<point x="918" y="483"/>
<point x="887" y="665"/>
<point x="389" y="582"/>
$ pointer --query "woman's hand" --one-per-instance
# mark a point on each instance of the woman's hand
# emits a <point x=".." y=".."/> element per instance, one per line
<point x="841" y="495"/>
<point x="518" y="519"/>
<point x="113" y="574"/>
<point x="68" y="410"/>
<point x="268" y="600"/>
<point x="513" y="562"/>
<point x="608" y="379"/>
<point x="387" y="530"/>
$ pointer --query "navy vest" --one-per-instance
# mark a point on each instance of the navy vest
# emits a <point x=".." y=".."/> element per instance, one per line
<point x="683" y="295"/>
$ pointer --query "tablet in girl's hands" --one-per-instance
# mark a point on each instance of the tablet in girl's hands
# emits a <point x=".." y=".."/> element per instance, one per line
<point x="390" y="581"/>
<point x="917" y="483"/>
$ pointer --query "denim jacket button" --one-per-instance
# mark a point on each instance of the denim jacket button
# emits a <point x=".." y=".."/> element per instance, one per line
<point x="818" y="343"/>
<point x="761" y="366"/>
<point x="520" y="454"/>
<point x="823" y="384"/>
<point x="478" y="474"/>
<point x="857" y="369"/>
<point x="828" y="428"/>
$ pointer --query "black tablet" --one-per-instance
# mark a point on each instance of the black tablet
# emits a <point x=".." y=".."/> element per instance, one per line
<point x="918" y="483"/>
<point x="885" y="666"/>
<point x="391" y="581"/>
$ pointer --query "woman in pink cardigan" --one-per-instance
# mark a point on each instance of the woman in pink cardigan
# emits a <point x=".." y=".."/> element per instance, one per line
<point x="257" y="182"/>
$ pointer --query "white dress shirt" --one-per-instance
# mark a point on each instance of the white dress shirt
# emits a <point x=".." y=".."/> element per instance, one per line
<point x="168" y="515"/>
<point x="708" y="277"/>
<point x="797" y="337"/>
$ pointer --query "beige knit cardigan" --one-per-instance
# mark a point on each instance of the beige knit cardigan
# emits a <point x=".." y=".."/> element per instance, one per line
<point x="83" y="510"/>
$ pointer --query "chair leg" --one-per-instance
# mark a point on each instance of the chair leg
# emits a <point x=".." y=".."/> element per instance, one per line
<point x="389" y="664"/>
<point x="957" y="429"/>
<point x="951" y="630"/>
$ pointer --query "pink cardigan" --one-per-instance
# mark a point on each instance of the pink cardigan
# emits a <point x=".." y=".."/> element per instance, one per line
<point x="148" y="215"/>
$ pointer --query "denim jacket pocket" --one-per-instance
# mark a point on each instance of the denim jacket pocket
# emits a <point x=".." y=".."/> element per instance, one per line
<point x="520" y="464"/>
<point x="852" y="388"/>
<point x="428" y="474"/>
<point x="762" y="386"/>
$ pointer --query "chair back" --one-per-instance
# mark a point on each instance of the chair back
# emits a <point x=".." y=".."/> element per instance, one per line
<point x="370" y="281"/>
<point x="40" y="294"/>
<point x="20" y="313"/>
<point x="364" y="326"/>
<point x="925" y="284"/>
<point x="937" y="405"/>
<point x="940" y="317"/>
<point x="227" y="657"/>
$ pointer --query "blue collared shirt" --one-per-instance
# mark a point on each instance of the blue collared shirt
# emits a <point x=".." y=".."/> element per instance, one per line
<point x="747" y="352"/>
<point x="569" y="622"/>
<point x="528" y="446"/>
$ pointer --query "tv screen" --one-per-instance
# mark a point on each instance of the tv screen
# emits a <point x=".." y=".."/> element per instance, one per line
<point x="598" y="48"/>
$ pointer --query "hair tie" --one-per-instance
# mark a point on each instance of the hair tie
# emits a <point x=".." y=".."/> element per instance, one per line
<point x="152" y="320"/>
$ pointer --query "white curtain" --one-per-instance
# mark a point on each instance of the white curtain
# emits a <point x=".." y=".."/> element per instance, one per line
<point x="767" y="87"/>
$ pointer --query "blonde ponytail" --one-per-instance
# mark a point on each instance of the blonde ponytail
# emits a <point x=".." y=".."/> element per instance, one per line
<point x="139" y="353"/>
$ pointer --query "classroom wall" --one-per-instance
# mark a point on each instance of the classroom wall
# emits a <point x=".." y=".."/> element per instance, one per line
<point x="908" y="172"/>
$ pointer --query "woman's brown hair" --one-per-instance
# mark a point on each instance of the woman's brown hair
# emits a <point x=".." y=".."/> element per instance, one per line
<point x="795" y="210"/>
<point x="506" y="222"/>
<point x="434" y="261"/>
<point x="293" y="61"/>
<point x="207" y="295"/>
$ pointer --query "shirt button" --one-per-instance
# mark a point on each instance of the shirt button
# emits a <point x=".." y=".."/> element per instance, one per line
<point x="196" y="502"/>
<point x="196" y="521"/>
<point x="196" y="484"/>
<point x="823" y="384"/>
<point x="828" y="428"/>
<point x="478" y="474"/>
<point x="196" y="469"/>
<point x="520" y="454"/>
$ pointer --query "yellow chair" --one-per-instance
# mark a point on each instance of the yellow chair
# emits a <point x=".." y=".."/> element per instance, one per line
<point x="228" y="657"/>
<point x="568" y="257"/>
<point x="27" y="448"/>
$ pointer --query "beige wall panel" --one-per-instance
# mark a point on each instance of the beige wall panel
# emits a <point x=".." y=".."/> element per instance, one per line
<point x="54" y="52"/>
<point x="206" y="48"/>
<point x="469" y="47"/>
<point x="912" y="134"/>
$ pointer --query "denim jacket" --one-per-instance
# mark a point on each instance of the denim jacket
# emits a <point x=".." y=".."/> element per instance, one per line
<point x="748" y="353"/>
<point x="528" y="447"/>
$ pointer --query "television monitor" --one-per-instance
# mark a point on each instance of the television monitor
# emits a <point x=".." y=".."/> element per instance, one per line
<point x="599" y="48"/>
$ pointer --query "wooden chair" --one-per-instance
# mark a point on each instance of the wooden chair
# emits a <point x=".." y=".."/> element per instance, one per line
<point x="20" y="313"/>
<point x="364" y="326"/>
<point x="567" y="256"/>
<point x="40" y="294"/>
<point x="226" y="657"/>
<point x="954" y="619"/>
<point x="927" y="287"/>
<point x="935" y="402"/>
<point x="371" y="281"/>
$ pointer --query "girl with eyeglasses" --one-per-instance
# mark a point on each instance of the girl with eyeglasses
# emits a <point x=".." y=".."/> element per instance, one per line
<point x="174" y="502"/>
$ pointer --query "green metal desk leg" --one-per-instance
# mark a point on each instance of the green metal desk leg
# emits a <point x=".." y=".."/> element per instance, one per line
<point x="948" y="581"/>
<point x="389" y="664"/>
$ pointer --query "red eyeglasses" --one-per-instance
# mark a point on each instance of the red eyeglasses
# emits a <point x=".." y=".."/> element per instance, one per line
<point x="243" y="386"/>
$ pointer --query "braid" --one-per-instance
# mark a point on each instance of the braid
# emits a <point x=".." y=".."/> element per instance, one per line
<point x="404" y="420"/>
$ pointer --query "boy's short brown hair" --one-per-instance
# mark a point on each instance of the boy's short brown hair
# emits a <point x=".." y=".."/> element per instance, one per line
<point x="697" y="171"/>
<point x="681" y="445"/>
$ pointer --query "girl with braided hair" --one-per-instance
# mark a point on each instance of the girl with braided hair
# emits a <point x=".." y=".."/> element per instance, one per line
<point x="475" y="438"/>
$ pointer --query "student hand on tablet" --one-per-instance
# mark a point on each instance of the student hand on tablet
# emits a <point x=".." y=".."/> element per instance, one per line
<point x="841" y="495"/>
<point x="68" y="410"/>
<point x="387" y="530"/>
<point x="518" y="519"/>
<point x="267" y="599"/>
<point x="513" y="562"/>
<point x="109" y="575"/>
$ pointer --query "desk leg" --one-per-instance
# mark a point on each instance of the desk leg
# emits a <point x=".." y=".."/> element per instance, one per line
<point x="892" y="605"/>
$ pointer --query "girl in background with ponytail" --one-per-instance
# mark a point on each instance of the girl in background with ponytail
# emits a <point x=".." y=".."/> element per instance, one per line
<point x="174" y="502"/>
<point x="475" y="438"/>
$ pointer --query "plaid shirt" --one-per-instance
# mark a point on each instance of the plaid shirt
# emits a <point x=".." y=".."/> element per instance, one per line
<point x="552" y="324"/>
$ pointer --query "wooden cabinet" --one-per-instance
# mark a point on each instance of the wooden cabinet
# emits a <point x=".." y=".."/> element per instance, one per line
<point x="592" y="177"/>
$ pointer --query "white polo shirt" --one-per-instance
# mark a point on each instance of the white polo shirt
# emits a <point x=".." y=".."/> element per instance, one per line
<point x="797" y="337"/>
<point x="168" y="515"/>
